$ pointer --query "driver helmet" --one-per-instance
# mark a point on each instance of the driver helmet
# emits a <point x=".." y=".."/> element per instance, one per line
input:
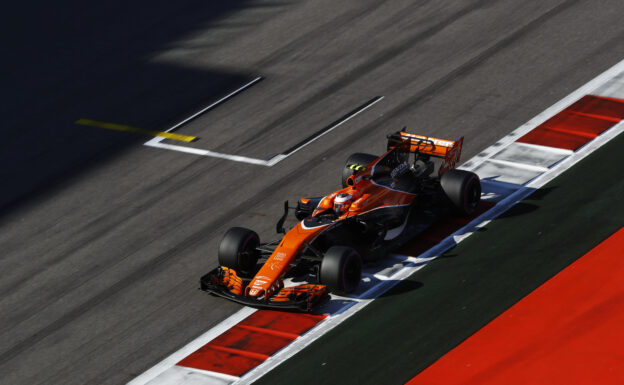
<point x="342" y="203"/>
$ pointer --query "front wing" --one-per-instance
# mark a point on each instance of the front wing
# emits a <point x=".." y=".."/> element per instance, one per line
<point x="302" y="297"/>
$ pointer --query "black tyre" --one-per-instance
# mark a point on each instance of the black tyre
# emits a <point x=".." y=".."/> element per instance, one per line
<point x="341" y="269"/>
<point x="237" y="250"/>
<point x="463" y="190"/>
<point x="357" y="158"/>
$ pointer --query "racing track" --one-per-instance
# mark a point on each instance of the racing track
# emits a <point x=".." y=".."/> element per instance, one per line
<point x="103" y="239"/>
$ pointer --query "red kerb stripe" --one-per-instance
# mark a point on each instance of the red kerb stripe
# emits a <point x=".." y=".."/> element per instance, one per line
<point x="249" y="343"/>
<point x="578" y="124"/>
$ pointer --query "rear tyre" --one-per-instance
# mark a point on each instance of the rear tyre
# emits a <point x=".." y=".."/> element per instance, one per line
<point x="237" y="250"/>
<point x="341" y="269"/>
<point x="463" y="190"/>
<point x="357" y="158"/>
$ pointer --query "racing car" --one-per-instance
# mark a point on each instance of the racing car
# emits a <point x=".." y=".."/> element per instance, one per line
<point x="384" y="202"/>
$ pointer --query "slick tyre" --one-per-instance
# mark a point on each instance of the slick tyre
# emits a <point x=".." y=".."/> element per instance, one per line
<point x="463" y="190"/>
<point x="237" y="250"/>
<point x="359" y="159"/>
<point x="341" y="269"/>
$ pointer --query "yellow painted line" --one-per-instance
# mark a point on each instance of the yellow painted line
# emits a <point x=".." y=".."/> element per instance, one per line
<point x="136" y="130"/>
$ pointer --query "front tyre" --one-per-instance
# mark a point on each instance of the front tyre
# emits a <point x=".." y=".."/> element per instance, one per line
<point x="341" y="269"/>
<point x="237" y="250"/>
<point x="463" y="190"/>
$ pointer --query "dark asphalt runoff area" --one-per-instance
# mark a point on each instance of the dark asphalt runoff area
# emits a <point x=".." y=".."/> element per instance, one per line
<point x="103" y="240"/>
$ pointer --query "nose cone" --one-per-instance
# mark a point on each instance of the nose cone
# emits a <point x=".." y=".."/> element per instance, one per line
<point x="258" y="286"/>
<point x="254" y="292"/>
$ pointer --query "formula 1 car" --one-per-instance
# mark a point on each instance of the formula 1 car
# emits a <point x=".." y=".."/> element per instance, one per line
<point x="384" y="202"/>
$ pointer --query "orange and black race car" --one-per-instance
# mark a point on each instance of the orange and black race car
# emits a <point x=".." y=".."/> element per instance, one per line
<point x="385" y="201"/>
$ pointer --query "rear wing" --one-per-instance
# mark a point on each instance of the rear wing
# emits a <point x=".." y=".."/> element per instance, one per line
<point x="448" y="150"/>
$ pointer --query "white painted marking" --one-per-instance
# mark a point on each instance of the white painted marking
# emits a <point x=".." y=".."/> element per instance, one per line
<point x="540" y="156"/>
<point x="276" y="159"/>
<point x="495" y="191"/>
<point x="513" y="164"/>
<point x="346" y="119"/>
<point x="190" y="376"/>
<point x="156" y="142"/>
<point x="386" y="273"/>
<point x="505" y="172"/>
<point x="612" y="89"/>
<point x="413" y="264"/>
<point x="213" y="154"/>
<point x="540" y="148"/>
<point x="212" y="105"/>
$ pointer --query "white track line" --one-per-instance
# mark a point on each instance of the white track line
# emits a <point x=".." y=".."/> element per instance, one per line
<point x="223" y="99"/>
<point x="539" y="147"/>
<point x="156" y="142"/>
<point x="280" y="157"/>
<point x="212" y="154"/>
<point x="519" y="165"/>
<point x="416" y="263"/>
<point x="152" y="142"/>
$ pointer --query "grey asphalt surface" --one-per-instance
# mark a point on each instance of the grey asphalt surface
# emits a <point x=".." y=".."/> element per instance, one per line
<point x="103" y="240"/>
